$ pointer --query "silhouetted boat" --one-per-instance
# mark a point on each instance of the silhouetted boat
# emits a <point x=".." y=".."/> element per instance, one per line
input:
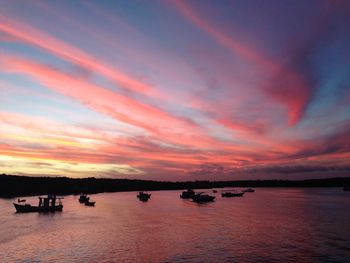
<point x="249" y="190"/>
<point x="346" y="189"/>
<point x="83" y="198"/>
<point x="89" y="203"/>
<point x="143" y="196"/>
<point x="203" y="198"/>
<point x="232" y="194"/>
<point x="187" y="194"/>
<point x="215" y="191"/>
<point x="46" y="204"/>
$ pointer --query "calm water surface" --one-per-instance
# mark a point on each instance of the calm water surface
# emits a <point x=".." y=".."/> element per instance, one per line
<point x="270" y="225"/>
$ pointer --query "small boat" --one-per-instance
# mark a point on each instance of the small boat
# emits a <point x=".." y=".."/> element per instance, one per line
<point x="346" y="189"/>
<point x="143" y="196"/>
<point x="215" y="191"/>
<point x="203" y="198"/>
<point x="83" y="198"/>
<point x="187" y="194"/>
<point x="89" y="203"/>
<point x="232" y="194"/>
<point x="249" y="190"/>
<point x="46" y="204"/>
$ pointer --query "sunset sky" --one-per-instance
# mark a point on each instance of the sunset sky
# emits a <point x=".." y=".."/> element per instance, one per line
<point x="175" y="90"/>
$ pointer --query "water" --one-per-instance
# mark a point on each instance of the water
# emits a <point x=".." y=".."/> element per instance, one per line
<point x="270" y="225"/>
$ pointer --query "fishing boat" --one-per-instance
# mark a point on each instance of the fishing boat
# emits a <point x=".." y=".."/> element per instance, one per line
<point x="46" y="204"/>
<point x="83" y="198"/>
<point x="215" y="191"/>
<point x="231" y="194"/>
<point x="143" y="196"/>
<point x="203" y="198"/>
<point x="249" y="190"/>
<point x="189" y="193"/>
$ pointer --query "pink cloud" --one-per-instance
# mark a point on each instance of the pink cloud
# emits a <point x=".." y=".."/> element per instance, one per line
<point x="72" y="54"/>
<point x="287" y="86"/>
<point x="159" y="123"/>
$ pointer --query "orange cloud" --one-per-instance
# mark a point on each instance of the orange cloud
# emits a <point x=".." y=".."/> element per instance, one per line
<point x="166" y="127"/>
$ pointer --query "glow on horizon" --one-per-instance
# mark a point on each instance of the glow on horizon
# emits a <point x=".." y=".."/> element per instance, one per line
<point x="175" y="90"/>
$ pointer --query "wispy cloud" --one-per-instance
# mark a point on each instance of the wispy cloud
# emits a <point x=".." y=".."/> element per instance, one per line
<point x="286" y="83"/>
<point x="206" y="93"/>
<point x="32" y="36"/>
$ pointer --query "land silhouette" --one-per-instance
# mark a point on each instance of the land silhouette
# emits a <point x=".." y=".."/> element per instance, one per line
<point x="13" y="186"/>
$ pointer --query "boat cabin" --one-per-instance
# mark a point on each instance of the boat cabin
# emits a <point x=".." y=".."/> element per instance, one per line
<point x="49" y="201"/>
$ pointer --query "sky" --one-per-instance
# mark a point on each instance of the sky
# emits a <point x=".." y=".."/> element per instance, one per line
<point x="175" y="90"/>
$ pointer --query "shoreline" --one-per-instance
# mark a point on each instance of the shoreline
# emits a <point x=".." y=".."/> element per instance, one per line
<point x="16" y="186"/>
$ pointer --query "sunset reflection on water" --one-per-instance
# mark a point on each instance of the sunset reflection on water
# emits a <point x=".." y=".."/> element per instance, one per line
<point x="268" y="225"/>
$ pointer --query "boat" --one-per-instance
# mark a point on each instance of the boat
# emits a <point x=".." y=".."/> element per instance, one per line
<point x="187" y="194"/>
<point x="215" y="191"/>
<point x="143" y="196"/>
<point x="346" y="189"/>
<point x="46" y="204"/>
<point x="232" y="194"/>
<point x="89" y="203"/>
<point x="83" y="198"/>
<point x="249" y="190"/>
<point x="203" y="198"/>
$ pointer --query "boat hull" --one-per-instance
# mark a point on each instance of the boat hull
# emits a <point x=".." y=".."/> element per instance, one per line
<point x="84" y="199"/>
<point x="203" y="199"/>
<point x="232" y="194"/>
<point x="143" y="196"/>
<point x="186" y="196"/>
<point x="41" y="209"/>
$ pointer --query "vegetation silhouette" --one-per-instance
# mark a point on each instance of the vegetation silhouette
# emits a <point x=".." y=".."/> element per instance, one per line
<point x="12" y="185"/>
